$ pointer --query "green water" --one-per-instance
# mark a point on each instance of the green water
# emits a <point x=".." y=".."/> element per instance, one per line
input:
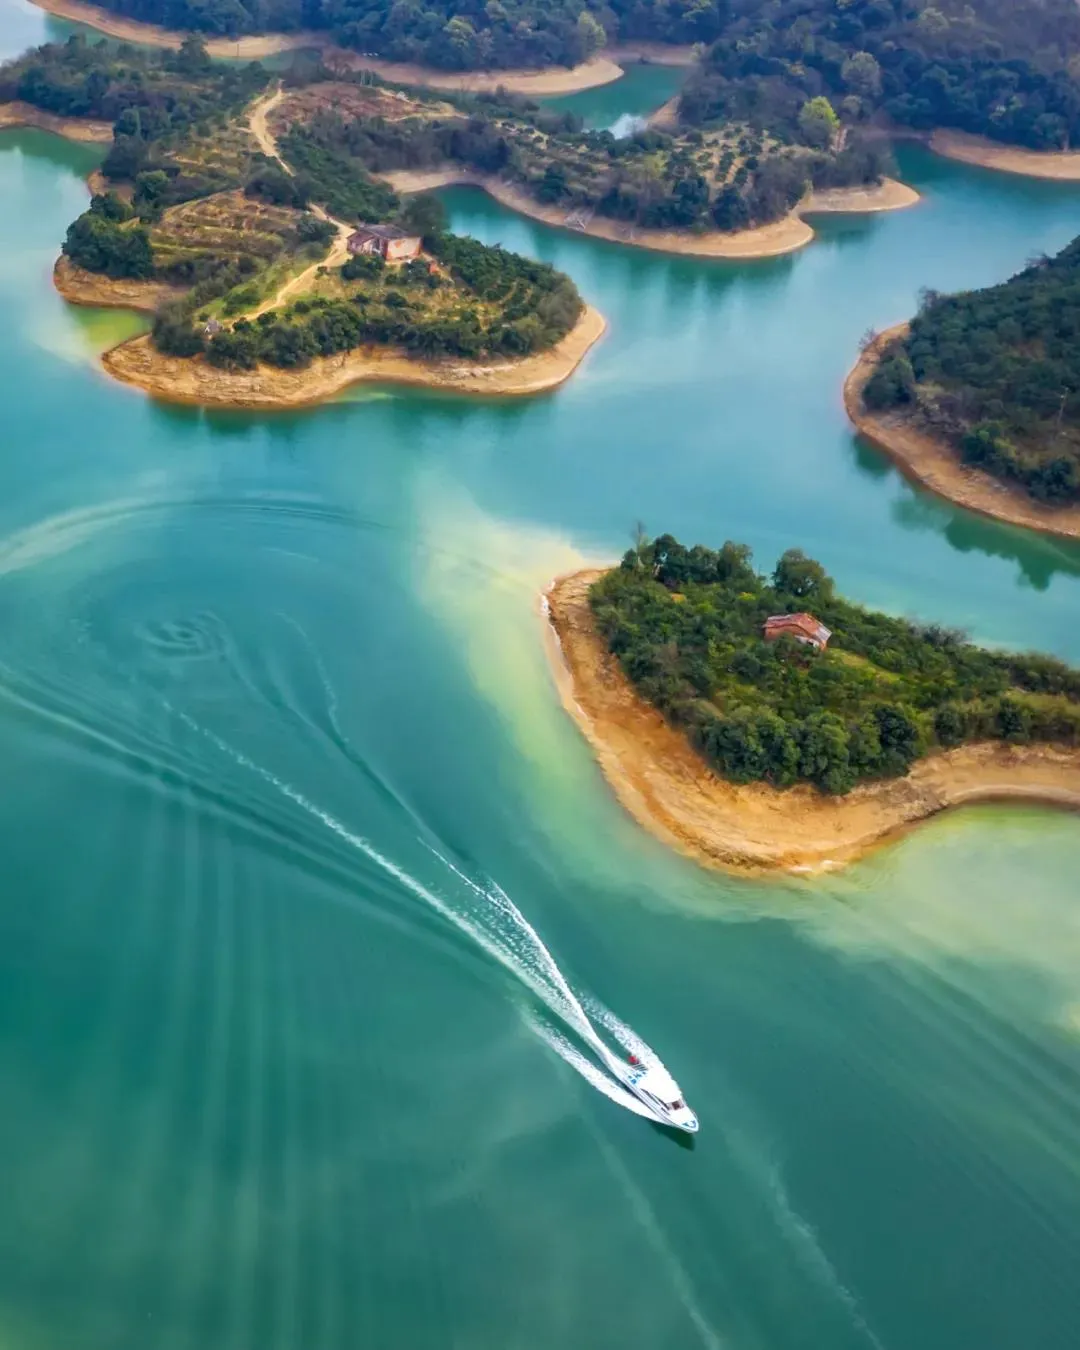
<point x="273" y="1075"/>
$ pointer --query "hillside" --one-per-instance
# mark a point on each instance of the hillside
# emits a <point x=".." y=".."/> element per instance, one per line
<point x="445" y="33"/>
<point x="996" y="374"/>
<point x="686" y="626"/>
<point x="1005" y="69"/>
<point x="728" y="178"/>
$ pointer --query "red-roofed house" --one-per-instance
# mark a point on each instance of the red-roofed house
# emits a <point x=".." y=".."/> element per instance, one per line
<point x="394" y="243"/>
<point x="801" y="627"/>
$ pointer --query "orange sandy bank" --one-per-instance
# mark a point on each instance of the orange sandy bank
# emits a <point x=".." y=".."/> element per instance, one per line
<point x="79" y="287"/>
<point x="936" y="465"/>
<point x="601" y="69"/>
<point x="669" y="790"/>
<point x="1061" y="164"/>
<point x="766" y="241"/>
<point x="195" y="381"/>
<point x="72" y="128"/>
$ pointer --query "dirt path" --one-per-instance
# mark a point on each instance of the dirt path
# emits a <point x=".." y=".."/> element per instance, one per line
<point x="259" y="126"/>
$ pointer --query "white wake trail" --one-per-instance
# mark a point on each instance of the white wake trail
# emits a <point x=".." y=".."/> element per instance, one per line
<point x="514" y="943"/>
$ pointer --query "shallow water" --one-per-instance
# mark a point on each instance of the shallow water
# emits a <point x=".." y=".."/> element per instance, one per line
<point x="280" y="746"/>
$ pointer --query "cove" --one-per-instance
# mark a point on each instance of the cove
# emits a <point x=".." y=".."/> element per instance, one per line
<point x="265" y="678"/>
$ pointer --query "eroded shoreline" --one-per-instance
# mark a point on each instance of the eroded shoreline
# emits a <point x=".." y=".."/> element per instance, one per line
<point x="1062" y="165"/>
<point x="82" y="129"/>
<point x="766" y="241"/>
<point x="936" y="465"/>
<point x="192" y="380"/>
<point x="670" y="791"/>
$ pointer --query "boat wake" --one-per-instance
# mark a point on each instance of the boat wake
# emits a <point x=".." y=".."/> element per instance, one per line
<point x="570" y="1024"/>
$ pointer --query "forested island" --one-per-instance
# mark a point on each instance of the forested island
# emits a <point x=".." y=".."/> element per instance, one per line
<point x="1003" y="69"/>
<point x="997" y="373"/>
<point x="445" y="34"/>
<point x="247" y="252"/>
<point x="764" y="719"/>
<point x="977" y="396"/>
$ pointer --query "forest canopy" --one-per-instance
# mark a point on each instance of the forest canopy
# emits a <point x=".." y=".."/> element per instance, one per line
<point x="686" y="625"/>
<point x="451" y="34"/>
<point x="1000" y="68"/>
<point x="997" y="373"/>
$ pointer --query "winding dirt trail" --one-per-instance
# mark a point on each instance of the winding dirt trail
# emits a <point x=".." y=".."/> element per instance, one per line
<point x="259" y="126"/>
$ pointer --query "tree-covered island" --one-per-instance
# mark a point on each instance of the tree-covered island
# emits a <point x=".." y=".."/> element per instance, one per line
<point x="995" y="375"/>
<point x="254" y="247"/>
<point x="688" y="628"/>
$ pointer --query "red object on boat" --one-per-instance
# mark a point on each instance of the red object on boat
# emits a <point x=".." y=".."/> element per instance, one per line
<point x="634" y="1059"/>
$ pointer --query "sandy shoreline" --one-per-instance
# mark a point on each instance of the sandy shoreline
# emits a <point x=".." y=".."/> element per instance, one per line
<point x="766" y="241"/>
<point x="195" y="381"/>
<point x="83" y="129"/>
<point x="602" y="69"/>
<point x="1063" y="165"/>
<point x="936" y="465"/>
<point x="79" y="287"/>
<point x="669" y="790"/>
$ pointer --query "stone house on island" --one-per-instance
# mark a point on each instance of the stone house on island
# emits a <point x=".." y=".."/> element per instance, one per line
<point x="802" y="627"/>
<point x="389" y="241"/>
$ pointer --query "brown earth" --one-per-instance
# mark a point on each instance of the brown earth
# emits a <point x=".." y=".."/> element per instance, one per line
<point x="195" y="381"/>
<point x="669" y="789"/>
<point x="935" y="464"/>
<point x="766" y="241"/>
<point x="1061" y="164"/>
<point x="72" y="128"/>
<point x="80" y="287"/>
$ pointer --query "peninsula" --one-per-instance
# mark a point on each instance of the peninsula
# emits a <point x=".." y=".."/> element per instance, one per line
<point x="280" y="275"/>
<point x="753" y="740"/>
<point x="975" y="397"/>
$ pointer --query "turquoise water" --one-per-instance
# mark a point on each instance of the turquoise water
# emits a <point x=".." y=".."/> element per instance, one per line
<point x="642" y="89"/>
<point x="285" y="774"/>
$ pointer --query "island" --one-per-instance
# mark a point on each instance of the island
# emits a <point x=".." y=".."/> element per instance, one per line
<point x="280" y="275"/>
<point x="977" y="398"/>
<point x="764" y="722"/>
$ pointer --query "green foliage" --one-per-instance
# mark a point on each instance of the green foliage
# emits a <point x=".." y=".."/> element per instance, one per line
<point x="818" y="122"/>
<point x="997" y="372"/>
<point x="999" y="68"/>
<point x="320" y="155"/>
<point x="101" y="244"/>
<point x="424" y="214"/>
<point x="687" y="628"/>
<point x="502" y="33"/>
<point x="147" y="95"/>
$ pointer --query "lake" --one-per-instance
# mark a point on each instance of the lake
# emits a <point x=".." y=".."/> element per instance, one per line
<point x="308" y="874"/>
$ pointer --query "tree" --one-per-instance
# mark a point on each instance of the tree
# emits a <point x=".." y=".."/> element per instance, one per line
<point x="862" y="74"/>
<point x="801" y="577"/>
<point x="424" y="214"/>
<point x="818" y="122"/>
<point x="590" y="35"/>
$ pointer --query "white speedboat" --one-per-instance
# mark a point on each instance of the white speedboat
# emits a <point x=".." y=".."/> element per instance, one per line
<point x="653" y="1085"/>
